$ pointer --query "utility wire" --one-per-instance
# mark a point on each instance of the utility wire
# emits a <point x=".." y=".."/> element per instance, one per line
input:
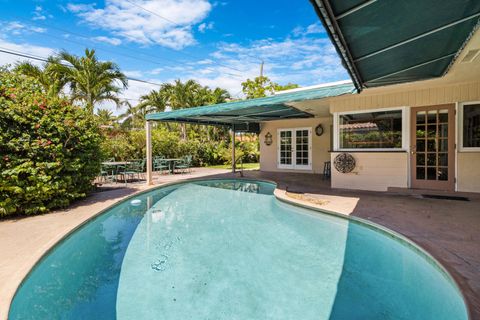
<point x="29" y="56"/>
<point x="124" y="54"/>
<point x="39" y="23"/>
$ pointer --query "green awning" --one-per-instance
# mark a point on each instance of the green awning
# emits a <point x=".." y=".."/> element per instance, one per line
<point x="392" y="41"/>
<point x="246" y="115"/>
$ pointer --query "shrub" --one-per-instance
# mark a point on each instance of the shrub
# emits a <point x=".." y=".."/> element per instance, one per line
<point x="49" y="149"/>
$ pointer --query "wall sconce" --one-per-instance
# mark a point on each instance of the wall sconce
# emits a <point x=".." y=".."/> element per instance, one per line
<point x="268" y="139"/>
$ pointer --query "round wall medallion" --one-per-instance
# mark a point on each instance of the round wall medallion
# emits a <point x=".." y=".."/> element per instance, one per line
<point x="344" y="163"/>
<point x="319" y="130"/>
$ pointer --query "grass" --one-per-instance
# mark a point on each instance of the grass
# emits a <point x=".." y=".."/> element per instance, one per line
<point x="247" y="166"/>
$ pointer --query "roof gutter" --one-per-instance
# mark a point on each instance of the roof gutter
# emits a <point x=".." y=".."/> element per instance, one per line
<point x="325" y="13"/>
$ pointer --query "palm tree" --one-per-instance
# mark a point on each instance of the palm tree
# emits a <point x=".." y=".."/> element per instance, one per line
<point x="91" y="81"/>
<point x="105" y="117"/>
<point x="154" y="101"/>
<point x="51" y="81"/>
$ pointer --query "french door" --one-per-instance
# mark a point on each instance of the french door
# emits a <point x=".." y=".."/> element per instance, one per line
<point x="433" y="147"/>
<point x="295" y="148"/>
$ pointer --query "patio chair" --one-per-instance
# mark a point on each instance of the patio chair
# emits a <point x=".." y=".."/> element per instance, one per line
<point x="185" y="164"/>
<point x="107" y="174"/>
<point x="131" y="170"/>
<point x="159" y="164"/>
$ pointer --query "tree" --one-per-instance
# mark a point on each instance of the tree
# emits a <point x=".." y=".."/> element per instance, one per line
<point x="105" y="117"/>
<point x="263" y="86"/>
<point x="91" y="81"/>
<point x="50" y="80"/>
<point x="258" y="87"/>
<point x="278" y="87"/>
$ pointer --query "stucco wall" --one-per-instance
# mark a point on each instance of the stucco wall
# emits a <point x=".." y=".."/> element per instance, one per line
<point x="468" y="179"/>
<point x="320" y="145"/>
<point x="374" y="171"/>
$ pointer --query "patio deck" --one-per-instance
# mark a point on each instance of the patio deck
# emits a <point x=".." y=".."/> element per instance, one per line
<point x="447" y="229"/>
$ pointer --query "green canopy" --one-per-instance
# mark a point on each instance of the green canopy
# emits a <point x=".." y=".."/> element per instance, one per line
<point x="392" y="41"/>
<point x="245" y="115"/>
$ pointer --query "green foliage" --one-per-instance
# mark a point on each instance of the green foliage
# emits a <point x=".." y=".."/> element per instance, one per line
<point x="125" y="145"/>
<point x="48" y="148"/>
<point x="262" y="87"/>
<point x="258" y="87"/>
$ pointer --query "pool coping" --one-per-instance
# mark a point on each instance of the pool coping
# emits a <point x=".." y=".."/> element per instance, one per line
<point x="279" y="195"/>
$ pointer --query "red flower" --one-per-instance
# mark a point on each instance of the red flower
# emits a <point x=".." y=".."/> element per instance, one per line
<point x="37" y="126"/>
<point x="42" y="106"/>
<point x="49" y="142"/>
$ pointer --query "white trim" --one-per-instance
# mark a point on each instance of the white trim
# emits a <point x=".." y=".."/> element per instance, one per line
<point x="405" y="126"/>
<point x="317" y="86"/>
<point x="460" y="146"/>
<point x="294" y="166"/>
<point x="457" y="143"/>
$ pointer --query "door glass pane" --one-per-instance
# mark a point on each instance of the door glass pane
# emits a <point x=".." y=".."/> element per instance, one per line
<point x="431" y="159"/>
<point x="443" y="145"/>
<point x="421" y="117"/>
<point x="421" y="131"/>
<point x="443" y="174"/>
<point x="443" y="130"/>
<point x="443" y="116"/>
<point x="432" y="116"/>
<point x="286" y="147"/>
<point x="421" y="173"/>
<point x="432" y="131"/>
<point x="431" y="173"/>
<point x="301" y="147"/>
<point x="420" y="159"/>
<point x="431" y="145"/>
<point x="443" y="159"/>
<point x="420" y="145"/>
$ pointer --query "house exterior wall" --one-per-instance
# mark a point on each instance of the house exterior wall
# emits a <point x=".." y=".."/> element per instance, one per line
<point x="412" y="95"/>
<point x="379" y="170"/>
<point x="320" y="144"/>
<point x="468" y="171"/>
<point x="375" y="171"/>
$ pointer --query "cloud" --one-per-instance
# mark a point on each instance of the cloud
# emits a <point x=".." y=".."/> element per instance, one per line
<point x="314" y="28"/>
<point x="22" y="48"/>
<point x="205" y="26"/>
<point x="38" y="14"/>
<point x="112" y="41"/>
<point x="163" y="22"/>
<point x="16" y="28"/>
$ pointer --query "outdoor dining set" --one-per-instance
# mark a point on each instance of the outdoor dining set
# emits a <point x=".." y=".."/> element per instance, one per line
<point x="115" y="171"/>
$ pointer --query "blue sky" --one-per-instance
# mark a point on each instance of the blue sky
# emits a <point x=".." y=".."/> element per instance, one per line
<point x="218" y="43"/>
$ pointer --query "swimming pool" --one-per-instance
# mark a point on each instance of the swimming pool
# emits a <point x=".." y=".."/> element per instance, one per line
<point x="228" y="249"/>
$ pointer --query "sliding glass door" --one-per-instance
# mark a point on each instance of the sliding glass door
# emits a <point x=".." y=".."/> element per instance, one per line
<point x="295" y="148"/>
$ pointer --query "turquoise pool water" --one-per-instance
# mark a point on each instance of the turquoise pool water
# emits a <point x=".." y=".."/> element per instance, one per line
<point x="230" y="250"/>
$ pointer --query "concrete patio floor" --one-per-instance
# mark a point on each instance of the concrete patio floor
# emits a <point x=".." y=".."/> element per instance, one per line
<point x="447" y="229"/>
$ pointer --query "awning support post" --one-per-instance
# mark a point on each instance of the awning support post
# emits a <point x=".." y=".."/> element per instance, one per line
<point x="148" y="132"/>
<point x="233" y="148"/>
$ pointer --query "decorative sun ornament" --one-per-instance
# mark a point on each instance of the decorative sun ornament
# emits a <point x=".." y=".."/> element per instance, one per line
<point x="344" y="163"/>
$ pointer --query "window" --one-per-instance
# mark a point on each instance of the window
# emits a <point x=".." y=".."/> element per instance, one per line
<point x="470" y="126"/>
<point x="373" y="130"/>
<point x="294" y="148"/>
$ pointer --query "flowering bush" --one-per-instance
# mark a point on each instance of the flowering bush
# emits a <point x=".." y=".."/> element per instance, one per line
<point x="49" y="149"/>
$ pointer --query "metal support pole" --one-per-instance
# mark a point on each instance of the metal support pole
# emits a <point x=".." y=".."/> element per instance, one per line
<point x="148" y="132"/>
<point x="233" y="148"/>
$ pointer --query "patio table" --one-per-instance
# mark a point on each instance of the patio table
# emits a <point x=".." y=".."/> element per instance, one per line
<point x="171" y="163"/>
<point x="116" y="164"/>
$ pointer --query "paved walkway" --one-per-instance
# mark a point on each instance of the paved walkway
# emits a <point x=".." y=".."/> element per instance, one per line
<point x="448" y="229"/>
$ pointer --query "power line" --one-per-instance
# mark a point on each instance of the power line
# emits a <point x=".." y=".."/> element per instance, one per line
<point x="38" y="23"/>
<point x="124" y="54"/>
<point x="29" y="56"/>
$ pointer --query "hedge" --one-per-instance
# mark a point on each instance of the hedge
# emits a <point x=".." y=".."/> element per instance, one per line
<point x="49" y="148"/>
